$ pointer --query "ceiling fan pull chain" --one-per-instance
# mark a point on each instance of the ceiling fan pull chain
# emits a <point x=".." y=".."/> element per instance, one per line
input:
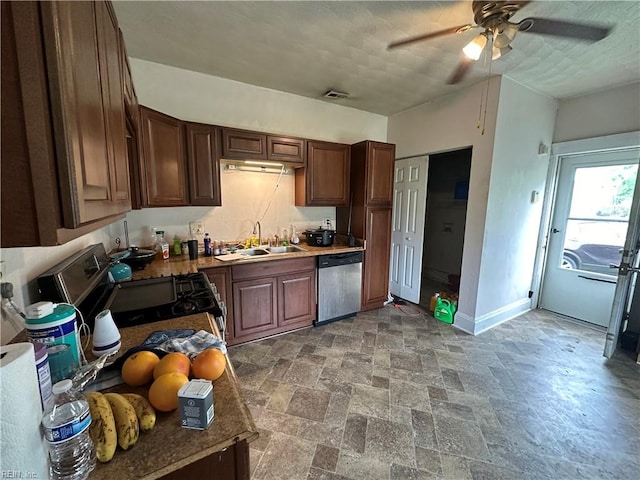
<point x="488" y="53"/>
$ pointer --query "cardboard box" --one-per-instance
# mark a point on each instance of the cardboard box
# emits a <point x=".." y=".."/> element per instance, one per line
<point x="196" y="404"/>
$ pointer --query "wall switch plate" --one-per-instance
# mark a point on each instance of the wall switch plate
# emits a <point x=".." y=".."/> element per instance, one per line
<point x="196" y="228"/>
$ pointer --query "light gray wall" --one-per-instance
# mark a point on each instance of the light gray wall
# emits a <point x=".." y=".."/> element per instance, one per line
<point x="501" y="225"/>
<point x="603" y="113"/>
<point x="450" y="123"/>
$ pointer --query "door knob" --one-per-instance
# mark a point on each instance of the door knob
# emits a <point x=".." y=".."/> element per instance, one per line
<point x="408" y="238"/>
<point x="554" y="230"/>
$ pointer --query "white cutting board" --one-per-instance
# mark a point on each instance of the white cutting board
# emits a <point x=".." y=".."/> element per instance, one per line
<point x="230" y="256"/>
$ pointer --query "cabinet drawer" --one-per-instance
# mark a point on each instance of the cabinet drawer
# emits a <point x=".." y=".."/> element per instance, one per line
<point x="271" y="269"/>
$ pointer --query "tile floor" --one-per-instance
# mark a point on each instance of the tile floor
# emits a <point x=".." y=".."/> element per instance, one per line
<point x="393" y="394"/>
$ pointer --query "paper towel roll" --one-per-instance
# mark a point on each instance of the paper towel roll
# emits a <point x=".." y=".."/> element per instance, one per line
<point x="24" y="454"/>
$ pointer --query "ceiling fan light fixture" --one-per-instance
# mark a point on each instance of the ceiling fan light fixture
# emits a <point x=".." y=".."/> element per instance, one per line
<point x="500" y="52"/>
<point x="474" y="48"/>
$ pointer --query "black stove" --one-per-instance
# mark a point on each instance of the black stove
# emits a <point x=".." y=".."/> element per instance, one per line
<point x="194" y="294"/>
<point x="83" y="280"/>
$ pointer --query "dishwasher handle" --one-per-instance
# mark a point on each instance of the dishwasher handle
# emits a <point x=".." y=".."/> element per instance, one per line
<point x="339" y="259"/>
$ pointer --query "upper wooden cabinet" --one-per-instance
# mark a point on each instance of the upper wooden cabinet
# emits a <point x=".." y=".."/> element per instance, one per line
<point x="380" y="158"/>
<point x="63" y="130"/>
<point x="164" y="166"/>
<point x="325" y="180"/>
<point x="243" y="145"/>
<point x="287" y="150"/>
<point x="247" y="145"/>
<point x="203" y="156"/>
<point x="83" y="61"/>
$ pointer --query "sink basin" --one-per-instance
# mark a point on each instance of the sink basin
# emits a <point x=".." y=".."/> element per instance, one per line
<point x="287" y="249"/>
<point x="254" y="251"/>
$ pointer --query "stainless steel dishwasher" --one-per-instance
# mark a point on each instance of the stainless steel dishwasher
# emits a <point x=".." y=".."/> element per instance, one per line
<point x="339" y="286"/>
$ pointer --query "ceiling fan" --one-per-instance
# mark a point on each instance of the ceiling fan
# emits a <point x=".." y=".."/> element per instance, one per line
<point x="499" y="32"/>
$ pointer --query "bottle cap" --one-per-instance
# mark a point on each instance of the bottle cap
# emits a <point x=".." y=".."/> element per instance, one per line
<point x="62" y="386"/>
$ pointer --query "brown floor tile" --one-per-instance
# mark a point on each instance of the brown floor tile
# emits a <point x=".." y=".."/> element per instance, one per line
<point x="326" y="458"/>
<point x="355" y="433"/>
<point x="309" y="403"/>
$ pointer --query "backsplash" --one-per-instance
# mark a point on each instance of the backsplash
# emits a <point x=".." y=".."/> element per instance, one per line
<point x="246" y="198"/>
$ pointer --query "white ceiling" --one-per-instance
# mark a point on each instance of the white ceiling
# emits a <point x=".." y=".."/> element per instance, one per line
<point x="306" y="48"/>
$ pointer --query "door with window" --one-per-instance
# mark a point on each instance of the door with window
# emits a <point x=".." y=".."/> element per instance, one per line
<point x="592" y="209"/>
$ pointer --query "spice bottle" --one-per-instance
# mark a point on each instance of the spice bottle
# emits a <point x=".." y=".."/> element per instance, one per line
<point x="162" y="247"/>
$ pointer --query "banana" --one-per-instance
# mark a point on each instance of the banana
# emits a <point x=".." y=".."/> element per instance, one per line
<point x="126" y="420"/>
<point x="144" y="411"/>
<point x="103" y="426"/>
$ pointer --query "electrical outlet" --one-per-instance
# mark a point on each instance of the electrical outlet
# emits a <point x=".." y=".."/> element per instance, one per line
<point x="327" y="223"/>
<point x="196" y="228"/>
<point x="1" y="269"/>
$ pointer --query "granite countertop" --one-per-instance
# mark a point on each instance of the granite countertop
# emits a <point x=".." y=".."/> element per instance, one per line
<point x="182" y="264"/>
<point x="169" y="447"/>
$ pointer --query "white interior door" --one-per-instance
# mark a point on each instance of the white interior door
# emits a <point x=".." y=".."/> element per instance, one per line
<point x="588" y="232"/>
<point x="409" y="203"/>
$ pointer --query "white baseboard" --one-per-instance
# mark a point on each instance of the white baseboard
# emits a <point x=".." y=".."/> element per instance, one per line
<point x="480" y="324"/>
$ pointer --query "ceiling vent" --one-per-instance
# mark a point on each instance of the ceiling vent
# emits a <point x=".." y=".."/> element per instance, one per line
<point x="335" y="94"/>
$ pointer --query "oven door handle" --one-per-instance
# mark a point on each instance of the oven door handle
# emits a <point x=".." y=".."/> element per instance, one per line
<point x="112" y="296"/>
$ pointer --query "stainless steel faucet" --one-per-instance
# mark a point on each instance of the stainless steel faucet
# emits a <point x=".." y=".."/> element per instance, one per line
<point x="259" y="232"/>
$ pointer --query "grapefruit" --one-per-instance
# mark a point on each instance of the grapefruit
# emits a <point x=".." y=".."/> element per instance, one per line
<point x="209" y="364"/>
<point x="173" y="362"/>
<point x="163" y="393"/>
<point x="137" y="370"/>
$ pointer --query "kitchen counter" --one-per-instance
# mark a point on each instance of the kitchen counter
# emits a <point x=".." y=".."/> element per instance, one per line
<point x="169" y="447"/>
<point x="182" y="264"/>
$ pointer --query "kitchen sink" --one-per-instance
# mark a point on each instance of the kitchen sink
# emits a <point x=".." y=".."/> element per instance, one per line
<point x="254" y="251"/>
<point x="287" y="249"/>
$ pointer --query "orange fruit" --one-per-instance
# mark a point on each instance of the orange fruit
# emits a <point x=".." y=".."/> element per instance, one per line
<point x="209" y="364"/>
<point x="173" y="362"/>
<point x="137" y="370"/>
<point x="163" y="393"/>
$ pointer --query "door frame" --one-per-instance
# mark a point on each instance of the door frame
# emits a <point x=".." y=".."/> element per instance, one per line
<point x="605" y="143"/>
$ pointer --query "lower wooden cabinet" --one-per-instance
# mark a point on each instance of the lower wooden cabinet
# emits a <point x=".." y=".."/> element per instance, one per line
<point x="375" y="270"/>
<point x="232" y="463"/>
<point x="272" y="297"/>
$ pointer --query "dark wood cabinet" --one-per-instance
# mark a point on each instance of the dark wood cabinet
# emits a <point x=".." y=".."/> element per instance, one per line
<point x="164" y="166"/>
<point x="297" y="299"/>
<point x="203" y="156"/>
<point x="372" y="193"/>
<point x="231" y="463"/>
<point x="83" y="63"/>
<point x="291" y="151"/>
<point x="325" y="180"/>
<point x="375" y="265"/>
<point x="243" y="144"/>
<point x="64" y="171"/>
<point x="272" y="297"/>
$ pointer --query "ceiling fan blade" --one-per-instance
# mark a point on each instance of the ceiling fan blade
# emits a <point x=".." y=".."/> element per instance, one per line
<point x="561" y="28"/>
<point x="461" y="70"/>
<point x="428" y="36"/>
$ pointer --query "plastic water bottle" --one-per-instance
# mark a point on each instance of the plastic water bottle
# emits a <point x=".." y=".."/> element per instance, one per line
<point x="72" y="455"/>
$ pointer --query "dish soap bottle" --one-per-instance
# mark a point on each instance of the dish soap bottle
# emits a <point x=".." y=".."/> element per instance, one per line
<point x="162" y="247"/>
<point x="295" y="240"/>
<point x="177" y="246"/>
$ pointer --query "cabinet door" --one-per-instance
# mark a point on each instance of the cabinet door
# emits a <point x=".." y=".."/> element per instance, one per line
<point x="221" y="277"/>
<point x="241" y="144"/>
<point x="325" y="181"/>
<point x="113" y="101"/>
<point x="71" y="43"/>
<point x="375" y="269"/>
<point x="297" y="299"/>
<point x="286" y="149"/>
<point x="254" y="308"/>
<point x="380" y="159"/>
<point x="164" y="164"/>
<point x="204" y="164"/>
